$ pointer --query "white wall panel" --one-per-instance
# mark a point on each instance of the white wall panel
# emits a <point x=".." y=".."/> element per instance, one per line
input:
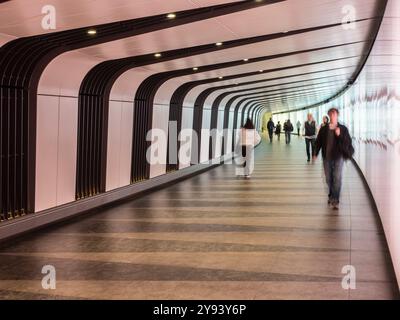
<point x="220" y="126"/>
<point x="56" y="152"/>
<point x="239" y="120"/>
<point x="46" y="152"/>
<point x="228" y="145"/>
<point x="160" y="122"/>
<point x="205" y="136"/>
<point x="187" y="124"/>
<point x="119" y="144"/>
<point x="67" y="150"/>
<point x="126" y="143"/>
<point x="57" y="123"/>
<point x="114" y="145"/>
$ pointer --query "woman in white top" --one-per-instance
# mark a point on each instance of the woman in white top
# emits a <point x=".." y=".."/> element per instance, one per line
<point x="249" y="138"/>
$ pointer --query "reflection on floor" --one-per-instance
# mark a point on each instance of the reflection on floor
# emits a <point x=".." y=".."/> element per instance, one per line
<point x="215" y="237"/>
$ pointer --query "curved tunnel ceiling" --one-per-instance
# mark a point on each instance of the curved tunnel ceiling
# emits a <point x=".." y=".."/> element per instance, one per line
<point x="272" y="55"/>
<point x="226" y="28"/>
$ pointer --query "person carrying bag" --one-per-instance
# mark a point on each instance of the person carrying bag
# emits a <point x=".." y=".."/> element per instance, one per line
<point x="249" y="138"/>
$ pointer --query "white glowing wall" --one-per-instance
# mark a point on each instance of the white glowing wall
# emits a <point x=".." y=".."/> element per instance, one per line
<point x="371" y="110"/>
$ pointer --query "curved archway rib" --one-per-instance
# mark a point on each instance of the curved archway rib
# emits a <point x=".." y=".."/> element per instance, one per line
<point x="230" y="102"/>
<point x="217" y="101"/>
<point x="284" y="92"/>
<point x="147" y="90"/>
<point x="380" y="9"/>
<point x="23" y="60"/>
<point x="97" y="84"/>
<point x="199" y="103"/>
<point x="180" y="93"/>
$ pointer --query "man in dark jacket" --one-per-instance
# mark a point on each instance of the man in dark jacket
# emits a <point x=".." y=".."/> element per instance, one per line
<point x="288" y="128"/>
<point x="278" y="130"/>
<point x="335" y="142"/>
<point x="270" y="127"/>
<point x="310" y="134"/>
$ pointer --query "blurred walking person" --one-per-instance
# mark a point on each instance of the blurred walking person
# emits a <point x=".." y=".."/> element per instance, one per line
<point x="298" y="125"/>
<point x="335" y="142"/>
<point x="249" y="138"/>
<point x="278" y="130"/>
<point x="288" y="128"/>
<point x="270" y="127"/>
<point x="310" y="135"/>
<point x="325" y="121"/>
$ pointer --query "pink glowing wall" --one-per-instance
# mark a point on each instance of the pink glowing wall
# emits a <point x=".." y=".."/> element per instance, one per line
<point x="371" y="110"/>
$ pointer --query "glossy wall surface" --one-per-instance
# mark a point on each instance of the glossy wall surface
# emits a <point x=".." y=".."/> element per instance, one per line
<point x="371" y="111"/>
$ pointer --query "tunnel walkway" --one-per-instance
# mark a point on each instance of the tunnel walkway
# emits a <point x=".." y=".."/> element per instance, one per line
<point x="215" y="237"/>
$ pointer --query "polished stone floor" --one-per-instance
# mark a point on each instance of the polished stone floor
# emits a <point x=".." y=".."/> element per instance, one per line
<point x="215" y="236"/>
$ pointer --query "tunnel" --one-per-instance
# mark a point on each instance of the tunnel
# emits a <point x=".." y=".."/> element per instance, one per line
<point x="125" y="159"/>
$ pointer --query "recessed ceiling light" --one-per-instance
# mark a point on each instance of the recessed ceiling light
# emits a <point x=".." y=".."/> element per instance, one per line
<point x="286" y="31"/>
<point x="261" y="70"/>
<point x="195" y="69"/>
<point x="220" y="77"/>
<point x="171" y="16"/>
<point x="157" y="55"/>
<point x="219" y="44"/>
<point x="91" y="32"/>
<point x="245" y="60"/>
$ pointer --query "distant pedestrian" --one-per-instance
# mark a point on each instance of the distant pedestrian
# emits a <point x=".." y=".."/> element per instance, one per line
<point x="335" y="142"/>
<point x="249" y="139"/>
<point x="278" y="130"/>
<point x="288" y="128"/>
<point x="270" y="127"/>
<point x="310" y="135"/>
<point x="298" y="125"/>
